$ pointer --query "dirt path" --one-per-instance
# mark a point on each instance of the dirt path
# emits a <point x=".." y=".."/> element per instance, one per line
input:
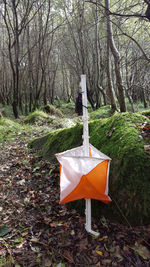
<point x="36" y="231"/>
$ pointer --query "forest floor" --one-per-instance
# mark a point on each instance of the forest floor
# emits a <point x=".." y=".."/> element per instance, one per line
<point x="36" y="231"/>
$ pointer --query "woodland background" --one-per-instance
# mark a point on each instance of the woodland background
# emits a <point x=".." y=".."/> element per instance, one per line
<point x="46" y="45"/>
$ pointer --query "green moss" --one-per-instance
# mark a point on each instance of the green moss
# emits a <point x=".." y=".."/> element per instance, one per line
<point x="36" y="116"/>
<point x="118" y="134"/>
<point x="119" y="138"/>
<point x="8" y="129"/>
<point x="67" y="108"/>
<point x="102" y="112"/>
<point x="55" y="142"/>
<point x="50" y="109"/>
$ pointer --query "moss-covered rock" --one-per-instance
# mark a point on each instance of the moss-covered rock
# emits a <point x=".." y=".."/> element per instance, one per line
<point x="36" y="116"/>
<point x="58" y="141"/>
<point x="118" y="137"/>
<point x="50" y="109"/>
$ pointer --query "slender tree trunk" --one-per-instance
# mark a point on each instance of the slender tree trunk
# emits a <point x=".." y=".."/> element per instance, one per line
<point x="45" y="92"/>
<point x="116" y="56"/>
<point x="109" y="77"/>
<point x="109" y="80"/>
<point x="16" y="50"/>
<point x="144" y="98"/>
<point x="29" y="69"/>
<point x="129" y="83"/>
<point x="96" y="58"/>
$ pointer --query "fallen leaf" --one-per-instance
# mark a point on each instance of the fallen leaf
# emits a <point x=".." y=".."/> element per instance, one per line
<point x="117" y="254"/>
<point x="21" y="182"/>
<point x="61" y="265"/>
<point x="35" y="249"/>
<point x="107" y="262"/>
<point x="142" y="251"/>
<point x="3" y="251"/>
<point x="34" y="240"/>
<point x="67" y="255"/>
<point x="109" y="248"/>
<point x="104" y="222"/>
<point x="18" y="240"/>
<point x="102" y="238"/>
<point x="24" y="233"/>
<point x="99" y="252"/>
<point x="72" y="232"/>
<point x="47" y="262"/>
<point x="4" y="230"/>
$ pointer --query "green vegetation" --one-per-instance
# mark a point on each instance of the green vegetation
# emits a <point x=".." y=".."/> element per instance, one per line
<point x="38" y="121"/>
<point x="8" y="129"/>
<point x="7" y="262"/>
<point x="40" y="118"/>
<point x="102" y="112"/>
<point x="66" y="108"/>
<point x="120" y="138"/>
<point x="6" y="111"/>
<point x="36" y="116"/>
<point x="50" y="109"/>
<point x="58" y="141"/>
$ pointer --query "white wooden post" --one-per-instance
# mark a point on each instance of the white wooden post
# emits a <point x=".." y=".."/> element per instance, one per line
<point x="86" y="150"/>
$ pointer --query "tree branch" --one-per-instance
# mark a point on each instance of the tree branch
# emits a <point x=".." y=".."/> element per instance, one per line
<point x="148" y="59"/>
<point x="137" y="15"/>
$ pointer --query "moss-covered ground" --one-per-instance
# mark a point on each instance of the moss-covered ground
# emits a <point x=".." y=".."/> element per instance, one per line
<point x="8" y="129"/>
<point x="120" y="138"/>
<point x="102" y="112"/>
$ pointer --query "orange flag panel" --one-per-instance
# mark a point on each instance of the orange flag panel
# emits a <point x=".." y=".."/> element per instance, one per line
<point x="91" y="185"/>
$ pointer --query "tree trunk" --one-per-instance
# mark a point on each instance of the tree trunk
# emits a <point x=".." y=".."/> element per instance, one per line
<point x="144" y="98"/>
<point x="109" y="78"/>
<point x="16" y="63"/>
<point x="116" y="56"/>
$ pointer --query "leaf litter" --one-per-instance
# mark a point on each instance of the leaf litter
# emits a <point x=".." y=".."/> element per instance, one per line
<point x="36" y="231"/>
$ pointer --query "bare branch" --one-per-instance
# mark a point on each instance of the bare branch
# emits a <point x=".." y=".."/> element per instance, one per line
<point x="137" y="15"/>
<point x="143" y="52"/>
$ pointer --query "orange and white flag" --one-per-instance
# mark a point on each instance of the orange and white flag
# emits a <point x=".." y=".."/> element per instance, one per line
<point x="83" y="177"/>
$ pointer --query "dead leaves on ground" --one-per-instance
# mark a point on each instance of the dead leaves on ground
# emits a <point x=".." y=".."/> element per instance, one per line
<point x="36" y="231"/>
<point x="145" y="130"/>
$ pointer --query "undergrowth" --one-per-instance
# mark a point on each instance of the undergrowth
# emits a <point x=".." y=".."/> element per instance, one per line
<point x="66" y="108"/>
